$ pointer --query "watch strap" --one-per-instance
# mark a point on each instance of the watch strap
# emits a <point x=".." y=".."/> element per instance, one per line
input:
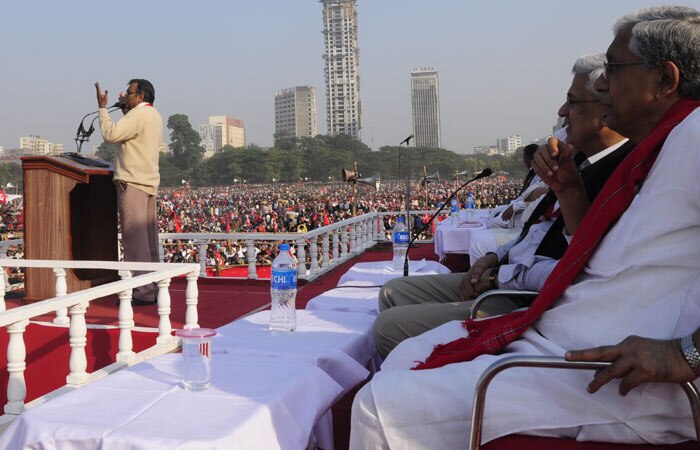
<point x="690" y="353"/>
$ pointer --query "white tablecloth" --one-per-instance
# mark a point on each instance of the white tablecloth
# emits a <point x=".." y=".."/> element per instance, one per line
<point x="379" y="272"/>
<point x="454" y="238"/>
<point x="254" y="403"/>
<point x="340" y="343"/>
<point x="348" y="299"/>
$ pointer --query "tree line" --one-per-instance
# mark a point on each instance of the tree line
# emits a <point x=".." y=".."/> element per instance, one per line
<point x="318" y="158"/>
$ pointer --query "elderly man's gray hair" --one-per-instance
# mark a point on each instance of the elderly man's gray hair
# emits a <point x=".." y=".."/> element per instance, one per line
<point x="591" y="65"/>
<point x="665" y="12"/>
<point x="677" y="41"/>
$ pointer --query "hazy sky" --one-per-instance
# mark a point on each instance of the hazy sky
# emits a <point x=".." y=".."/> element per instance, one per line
<point x="504" y="65"/>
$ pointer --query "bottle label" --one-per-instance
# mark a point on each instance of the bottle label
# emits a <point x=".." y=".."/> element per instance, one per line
<point x="454" y="208"/>
<point x="401" y="237"/>
<point x="284" y="279"/>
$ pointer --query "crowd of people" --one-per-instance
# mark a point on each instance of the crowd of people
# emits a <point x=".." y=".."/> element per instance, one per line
<point x="281" y="208"/>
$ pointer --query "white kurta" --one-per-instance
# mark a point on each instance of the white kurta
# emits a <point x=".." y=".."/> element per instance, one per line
<point x="644" y="279"/>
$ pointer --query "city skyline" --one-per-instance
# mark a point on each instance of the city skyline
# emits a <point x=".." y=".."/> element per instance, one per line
<point x="504" y="66"/>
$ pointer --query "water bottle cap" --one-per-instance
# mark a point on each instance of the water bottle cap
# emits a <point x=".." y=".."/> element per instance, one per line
<point x="400" y="219"/>
<point x="284" y="247"/>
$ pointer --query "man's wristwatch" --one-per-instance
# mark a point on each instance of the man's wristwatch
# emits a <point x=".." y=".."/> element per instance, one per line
<point x="690" y="353"/>
<point x="493" y="278"/>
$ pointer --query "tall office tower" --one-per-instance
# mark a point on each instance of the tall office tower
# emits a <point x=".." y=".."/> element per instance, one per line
<point x="425" y="98"/>
<point x="295" y="112"/>
<point x="344" y="111"/>
<point x="220" y="131"/>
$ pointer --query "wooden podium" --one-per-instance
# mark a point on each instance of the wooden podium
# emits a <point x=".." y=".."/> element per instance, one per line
<point x="70" y="213"/>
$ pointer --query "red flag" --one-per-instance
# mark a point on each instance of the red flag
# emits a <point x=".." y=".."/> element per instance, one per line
<point x="178" y="225"/>
<point x="326" y="220"/>
<point x="228" y="224"/>
<point x="3" y="196"/>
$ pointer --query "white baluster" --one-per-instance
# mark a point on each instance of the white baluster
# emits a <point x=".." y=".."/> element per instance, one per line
<point x="126" y="322"/>
<point x="161" y="251"/>
<point x="250" y="257"/>
<point x="379" y="229"/>
<point x="203" y="258"/>
<point x="61" y="290"/>
<point x="353" y="245"/>
<point x="336" y="244"/>
<point x="16" y="363"/>
<point x="78" y="339"/>
<point x="325" y="248"/>
<point x="313" y="253"/>
<point x="344" y="243"/>
<point x="191" y="300"/>
<point x="301" y="257"/>
<point x="2" y="288"/>
<point x="164" y="327"/>
<point x="365" y="228"/>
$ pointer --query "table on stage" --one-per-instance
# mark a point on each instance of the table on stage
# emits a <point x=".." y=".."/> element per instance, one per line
<point x="451" y="237"/>
<point x="268" y="391"/>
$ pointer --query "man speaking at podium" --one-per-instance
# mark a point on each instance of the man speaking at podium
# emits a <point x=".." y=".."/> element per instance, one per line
<point x="139" y="135"/>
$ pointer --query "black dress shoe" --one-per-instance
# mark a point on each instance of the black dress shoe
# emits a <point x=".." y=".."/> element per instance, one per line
<point x="137" y="302"/>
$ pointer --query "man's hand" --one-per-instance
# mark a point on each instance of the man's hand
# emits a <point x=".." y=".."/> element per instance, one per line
<point x="473" y="280"/>
<point x="554" y="164"/>
<point x="636" y="360"/>
<point x="507" y="213"/>
<point x="102" y="99"/>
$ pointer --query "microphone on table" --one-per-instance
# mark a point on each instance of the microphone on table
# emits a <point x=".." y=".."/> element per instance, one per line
<point x="483" y="174"/>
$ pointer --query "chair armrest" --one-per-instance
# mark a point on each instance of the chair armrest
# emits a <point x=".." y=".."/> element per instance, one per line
<point x="494" y="293"/>
<point x="550" y="362"/>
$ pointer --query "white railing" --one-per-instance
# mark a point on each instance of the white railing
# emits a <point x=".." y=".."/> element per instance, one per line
<point x="77" y="303"/>
<point x="318" y="251"/>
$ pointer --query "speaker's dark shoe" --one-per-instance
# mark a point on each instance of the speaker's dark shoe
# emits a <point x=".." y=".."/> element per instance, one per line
<point x="137" y="302"/>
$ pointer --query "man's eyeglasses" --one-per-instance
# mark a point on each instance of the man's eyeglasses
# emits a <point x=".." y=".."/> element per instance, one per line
<point x="129" y="93"/>
<point x="572" y="101"/>
<point x="610" y="66"/>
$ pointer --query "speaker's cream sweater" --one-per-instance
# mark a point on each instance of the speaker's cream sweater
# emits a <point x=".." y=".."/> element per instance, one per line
<point x="139" y="135"/>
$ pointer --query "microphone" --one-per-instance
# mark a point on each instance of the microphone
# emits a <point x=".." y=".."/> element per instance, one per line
<point x="483" y="174"/>
<point x="83" y="135"/>
<point x="119" y="105"/>
<point x="407" y="140"/>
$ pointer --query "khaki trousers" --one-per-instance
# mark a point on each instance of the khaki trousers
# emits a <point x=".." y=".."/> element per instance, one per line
<point x="410" y="306"/>
<point x="139" y="227"/>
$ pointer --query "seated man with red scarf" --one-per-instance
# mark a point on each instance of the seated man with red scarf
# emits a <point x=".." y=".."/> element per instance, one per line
<point x="631" y="269"/>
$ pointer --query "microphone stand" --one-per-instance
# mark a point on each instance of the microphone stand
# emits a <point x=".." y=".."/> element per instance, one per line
<point x="407" y="141"/>
<point x="484" y="173"/>
<point x="83" y="135"/>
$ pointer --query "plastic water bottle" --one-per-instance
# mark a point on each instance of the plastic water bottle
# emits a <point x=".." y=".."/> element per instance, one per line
<point x="283" y="316"/>
<point x="471" y="206"/>
<point x="454" y="212"/>
<point x="399" y="240"/>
